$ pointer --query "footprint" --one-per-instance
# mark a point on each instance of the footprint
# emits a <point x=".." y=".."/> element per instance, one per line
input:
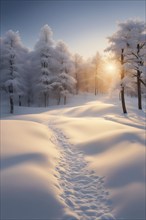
<point x="84" y="192"/>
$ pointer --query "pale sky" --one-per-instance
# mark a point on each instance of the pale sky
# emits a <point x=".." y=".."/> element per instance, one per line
<point x="83" y="25"/>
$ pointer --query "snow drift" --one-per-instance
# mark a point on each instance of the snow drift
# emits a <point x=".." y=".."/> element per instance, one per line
<point x="29" y="188"/>
<point x="113" y="146"/>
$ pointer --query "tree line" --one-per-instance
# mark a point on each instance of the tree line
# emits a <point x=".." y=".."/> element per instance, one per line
<point x="50" y="72"/>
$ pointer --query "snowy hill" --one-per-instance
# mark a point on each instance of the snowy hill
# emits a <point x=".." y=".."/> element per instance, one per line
<point x="85" y="160"/>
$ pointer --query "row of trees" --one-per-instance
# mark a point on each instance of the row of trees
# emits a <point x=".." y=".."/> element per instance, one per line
<point x="50" y="72"/>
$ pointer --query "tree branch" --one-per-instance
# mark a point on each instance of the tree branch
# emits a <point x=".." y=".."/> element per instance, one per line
<point x="135" y="55"/>
<point x="142" y="82"/>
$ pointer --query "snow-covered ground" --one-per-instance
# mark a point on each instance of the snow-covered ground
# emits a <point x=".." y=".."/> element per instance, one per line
<point x="85" y="160"/>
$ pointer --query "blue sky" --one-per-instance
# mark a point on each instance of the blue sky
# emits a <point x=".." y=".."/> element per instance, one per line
<point x="83" y="25"/>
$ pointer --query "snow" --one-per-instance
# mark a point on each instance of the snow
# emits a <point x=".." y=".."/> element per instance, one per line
<point x="85" y="160"/>
<point x="29" y="188"/>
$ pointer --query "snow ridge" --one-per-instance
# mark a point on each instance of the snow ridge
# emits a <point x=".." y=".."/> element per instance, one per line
<point x="84" y="193"/>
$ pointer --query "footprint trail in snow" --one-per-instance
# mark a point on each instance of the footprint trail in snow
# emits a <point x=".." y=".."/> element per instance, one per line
<point x="83" y="191"/>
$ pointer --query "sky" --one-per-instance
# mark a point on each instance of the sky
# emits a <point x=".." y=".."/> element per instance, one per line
<point x="83" y="25"/>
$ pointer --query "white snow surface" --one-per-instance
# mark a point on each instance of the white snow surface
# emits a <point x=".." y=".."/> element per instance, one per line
<point x="84" y="161"/>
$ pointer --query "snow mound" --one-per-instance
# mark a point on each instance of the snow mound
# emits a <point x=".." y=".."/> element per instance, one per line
<point x="114" y="147"/>
<point x="29" y="188"/>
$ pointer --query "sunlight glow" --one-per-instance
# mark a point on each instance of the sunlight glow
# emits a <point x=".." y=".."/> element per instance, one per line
<point x="111" y="68"/>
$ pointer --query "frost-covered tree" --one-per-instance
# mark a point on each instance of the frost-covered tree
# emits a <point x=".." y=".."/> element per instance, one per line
<point x="88" y="76"/>
<point x="65" y="70"/>
<point x="12" y="57"/>
<point x="28" y="78"/>
<point x="52" y="68"/>
<point x="128" y="45"/>
<point x="67" y="84"/>
<point x="91" y="79"/>
<point x="96" y="62"/>
<point x="43" y="63"/>
<point x="83" y="69"/>
<point x="120" y="50"/>
<point x="78" y="62"/>
<point x="136" y="45"/>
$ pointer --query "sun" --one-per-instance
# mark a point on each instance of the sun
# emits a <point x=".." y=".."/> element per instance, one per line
<point x="110" y="67"/>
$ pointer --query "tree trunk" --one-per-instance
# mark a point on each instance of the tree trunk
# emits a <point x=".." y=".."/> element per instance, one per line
<point x="65" y="100"/>
<point x="45" y="99"/>
<point x="77" y="84"/>
<point x="48" y="99"/>
<point x="11" y="98"/>
<point x="95" y="85"/>
<point x="123" y="100"/>
<point x="122" y="86"/>
<point x="59" y="98"/>
<point x="11" y="104"/>
<point x="139" y="92"/>
<point x="28" y="101"/>
<point x="19" y="100"/>
<point x="77" y="88"/>
<point x="139" y="79"/>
